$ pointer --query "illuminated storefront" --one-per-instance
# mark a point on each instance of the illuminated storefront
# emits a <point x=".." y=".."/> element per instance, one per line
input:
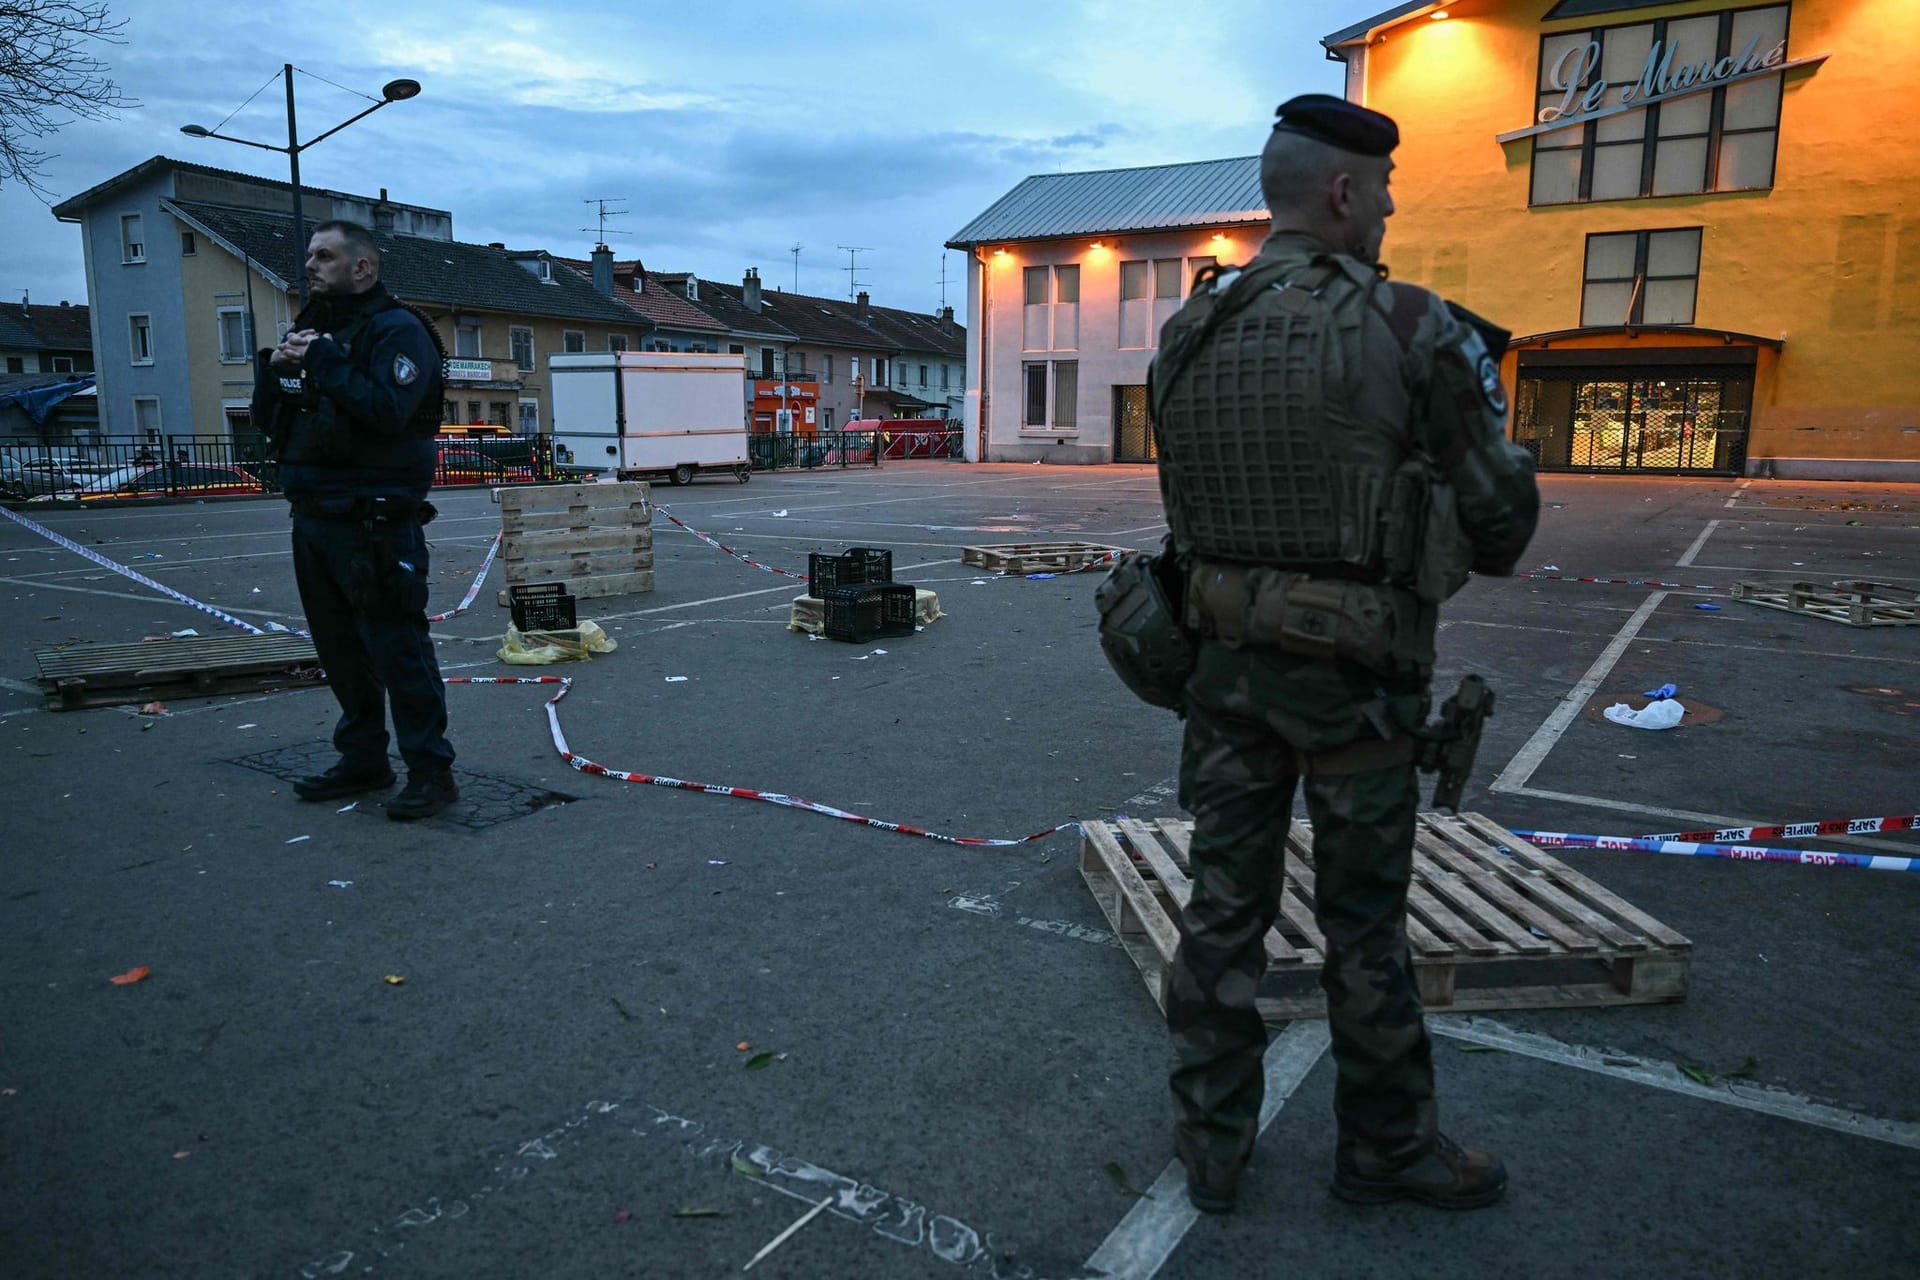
<point x="1698" y="220"/>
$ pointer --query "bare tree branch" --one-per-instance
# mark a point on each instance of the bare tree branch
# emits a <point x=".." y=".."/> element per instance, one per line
<point x="48" y="79"/>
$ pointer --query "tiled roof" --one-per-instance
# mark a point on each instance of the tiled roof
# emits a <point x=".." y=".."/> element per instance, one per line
<point x="32" y="327"/>
<point x="427" y="271"/>
<point x="1154" y="198"/>
<point x="69" y="210"/>
<point x="656" y="302"/>
<point x="819" y="321"/>
<point x="728" y="309"/>
<point x="911" y="331"/>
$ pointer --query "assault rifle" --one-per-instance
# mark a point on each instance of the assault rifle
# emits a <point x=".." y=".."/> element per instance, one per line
<point x="1448" y="748"/>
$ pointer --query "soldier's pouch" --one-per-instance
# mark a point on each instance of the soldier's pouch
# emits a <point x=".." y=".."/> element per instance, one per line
<point x="1446" y="553"/>
<point x="1323" y="618"/>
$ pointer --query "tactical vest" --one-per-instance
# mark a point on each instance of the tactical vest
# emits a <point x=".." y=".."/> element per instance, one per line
<point x="315" y="436"/>
<point x="1268" y="452"/>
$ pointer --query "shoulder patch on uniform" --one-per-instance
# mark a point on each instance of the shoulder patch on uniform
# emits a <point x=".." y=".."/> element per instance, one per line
<point x="1408" y="309"/>
<point x="1490" y="386"/>
<point x="404" y="370"/>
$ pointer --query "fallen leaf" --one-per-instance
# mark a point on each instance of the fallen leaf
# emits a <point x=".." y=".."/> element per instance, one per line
<point x="759" y="1060"/>
<point x="1118" y="1176"/>
<point x="130" y="977"/>
<point x="698" y="1213"/>
<point x="395" y="980"/>
<point x="624" y="1011"/>
<point x="1699" y="1075"/>
<point x="744" y="1166"/>
<point x="1746" y="1070"/>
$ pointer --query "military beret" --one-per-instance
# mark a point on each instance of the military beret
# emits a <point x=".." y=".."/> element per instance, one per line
<point x="1339" y="123"/>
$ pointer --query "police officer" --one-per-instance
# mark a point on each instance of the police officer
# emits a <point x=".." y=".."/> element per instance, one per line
<point x="351" y="399"/>
<point x="1333" y="458"/>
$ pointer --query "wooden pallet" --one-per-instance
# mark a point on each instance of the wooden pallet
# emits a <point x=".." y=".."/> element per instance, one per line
<point x="1858" y="604"/>
<point x="1488" y="930"/>
<point x="595" y="538"/>
<point x="105" y="675"/>
<point x="1036" y="557"/>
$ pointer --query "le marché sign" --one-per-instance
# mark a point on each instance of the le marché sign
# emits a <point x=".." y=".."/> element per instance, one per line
<point x="1667" y="75"/>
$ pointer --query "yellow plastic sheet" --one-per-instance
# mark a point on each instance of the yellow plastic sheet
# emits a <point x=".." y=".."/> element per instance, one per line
<point x="543" y="648"/>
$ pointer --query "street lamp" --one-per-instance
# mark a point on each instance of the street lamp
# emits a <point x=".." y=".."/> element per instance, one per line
<point x="392" y="91"/>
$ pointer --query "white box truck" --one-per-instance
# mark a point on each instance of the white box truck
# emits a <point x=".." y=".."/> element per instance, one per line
<point x="648" y="414"/>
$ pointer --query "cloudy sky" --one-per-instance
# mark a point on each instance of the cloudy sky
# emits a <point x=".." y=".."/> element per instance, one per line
<point x="730" y="132"/>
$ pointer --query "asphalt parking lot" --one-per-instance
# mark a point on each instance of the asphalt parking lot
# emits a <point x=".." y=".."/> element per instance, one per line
<point x="572" y="1080"/>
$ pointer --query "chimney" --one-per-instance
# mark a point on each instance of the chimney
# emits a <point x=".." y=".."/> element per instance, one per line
<point x="603" y="270"/>
<point x="860" y="306"/>
<point x="946" y="317"/>
<point x="750" y="289"/>
<point x="496" y="244"/>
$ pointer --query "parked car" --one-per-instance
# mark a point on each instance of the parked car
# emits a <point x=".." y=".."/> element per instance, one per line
<point x="170" y="479"/>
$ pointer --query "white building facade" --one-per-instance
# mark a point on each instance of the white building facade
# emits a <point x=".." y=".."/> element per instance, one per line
<point x="1070" y="278"/>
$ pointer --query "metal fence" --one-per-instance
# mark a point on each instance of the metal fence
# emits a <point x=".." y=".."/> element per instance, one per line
<point x="923" y="444"/>
<point x="780" y="452"/>
<point x="122" y="468"/>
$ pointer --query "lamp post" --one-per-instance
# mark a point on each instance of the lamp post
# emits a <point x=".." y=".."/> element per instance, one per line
<point x="392" y="91"/>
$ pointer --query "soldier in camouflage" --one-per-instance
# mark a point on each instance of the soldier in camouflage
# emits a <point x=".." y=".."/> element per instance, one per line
<point x="1334" y="460"/>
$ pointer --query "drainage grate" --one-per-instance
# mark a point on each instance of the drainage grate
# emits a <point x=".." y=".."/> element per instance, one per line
<point x="486" y="800"/>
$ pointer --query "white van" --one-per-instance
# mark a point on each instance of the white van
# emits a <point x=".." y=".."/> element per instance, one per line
<point x="650" y="414"/>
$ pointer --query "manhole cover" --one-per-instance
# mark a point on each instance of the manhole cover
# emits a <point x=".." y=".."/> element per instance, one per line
<point x="485" y="799"/>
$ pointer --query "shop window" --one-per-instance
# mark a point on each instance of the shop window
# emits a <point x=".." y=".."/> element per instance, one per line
<point x="1641" y="277"/>
<point x="520" y="342"/>
<point x="1720" y="138"/>
<point x="1050" y="311"/>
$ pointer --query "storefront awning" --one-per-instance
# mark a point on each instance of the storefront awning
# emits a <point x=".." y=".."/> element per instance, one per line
<point x="1706" y="337"/>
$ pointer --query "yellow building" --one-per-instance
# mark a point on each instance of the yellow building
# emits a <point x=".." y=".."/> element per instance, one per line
<point x="1698" y="219"/>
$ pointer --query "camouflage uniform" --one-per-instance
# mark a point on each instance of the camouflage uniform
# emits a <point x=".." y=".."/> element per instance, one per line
<point x="1260" y="719"/>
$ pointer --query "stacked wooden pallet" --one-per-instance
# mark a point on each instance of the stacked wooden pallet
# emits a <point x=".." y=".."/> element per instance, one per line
<point x="597" y="539"/>
<point x="1493" y="922"/>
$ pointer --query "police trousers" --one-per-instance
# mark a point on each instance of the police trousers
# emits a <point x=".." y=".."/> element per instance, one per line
<point x="363" y="585"/>
<point x="1257" y="723"/>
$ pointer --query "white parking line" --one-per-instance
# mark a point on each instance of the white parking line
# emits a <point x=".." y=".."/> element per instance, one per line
<point x="1698" y="543"/>
<point x="1665" y="1075"/>
<point x="1529" y="757"/>
<point x="1154" y="1227"/>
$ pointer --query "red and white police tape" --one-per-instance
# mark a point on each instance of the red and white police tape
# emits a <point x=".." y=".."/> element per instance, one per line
<point x="466" y="601"/>
<point x="1798" y="830"/>
<point x="1620" y="582"/>
<point x="584" y="765"/>
<point x="711" y="541"/>
<point x="1739" y="853"/>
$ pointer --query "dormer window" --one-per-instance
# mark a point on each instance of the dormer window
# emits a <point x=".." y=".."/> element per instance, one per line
<point x="545" y="271"/>
<point x="693" y="289"/>
<point x="638" y="282"/>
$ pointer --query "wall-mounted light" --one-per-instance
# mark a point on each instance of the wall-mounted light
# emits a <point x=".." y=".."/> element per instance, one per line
<point x="1439" y="14"/>
<point x="999" y="253"/>
<point x="1219" y="237"/>
<point x="1099" y="244"/>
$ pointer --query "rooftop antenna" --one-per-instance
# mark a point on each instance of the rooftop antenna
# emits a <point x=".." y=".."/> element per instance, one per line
<point x="853" y="284"/>
<point x="795" y="251"/>
<point x="605" y="213"/>
<point x="943" y="279"/>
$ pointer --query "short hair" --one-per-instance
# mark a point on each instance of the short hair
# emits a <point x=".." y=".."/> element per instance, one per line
<point x="359" y="240"/>
<point x="1295" y="169"/>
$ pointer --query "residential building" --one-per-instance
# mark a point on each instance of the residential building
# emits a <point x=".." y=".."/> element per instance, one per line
<point x="929" y="362"/>
<point x="1070" y="277"/>
<point x="44" y="339"/>
<point x="1697" y="219"/>
<point x="190" y="270"/>
<point x="678" y="325"/>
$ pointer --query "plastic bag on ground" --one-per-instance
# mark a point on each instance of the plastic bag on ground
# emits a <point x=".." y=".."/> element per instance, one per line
<point x="543" y="648"/>
<point x="1664" y="713"/>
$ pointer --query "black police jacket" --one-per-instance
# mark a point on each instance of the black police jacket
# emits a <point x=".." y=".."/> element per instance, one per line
<point x="358" y="417"/>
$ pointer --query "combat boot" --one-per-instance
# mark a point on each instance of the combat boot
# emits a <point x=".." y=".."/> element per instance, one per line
<point x="344" y="780"/>
<point x="1448" y="1177"/>
<point x="425" y="794"/>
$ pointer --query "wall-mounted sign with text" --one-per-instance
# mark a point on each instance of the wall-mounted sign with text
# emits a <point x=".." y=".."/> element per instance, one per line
<point x="470" y="370"/>
<point x="1578" y="93"/>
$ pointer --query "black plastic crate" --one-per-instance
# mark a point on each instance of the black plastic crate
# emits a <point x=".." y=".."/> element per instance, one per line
<point x="869" y="611"/>
<point x="858" y="565"/>
<point x="541" y="606"/>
